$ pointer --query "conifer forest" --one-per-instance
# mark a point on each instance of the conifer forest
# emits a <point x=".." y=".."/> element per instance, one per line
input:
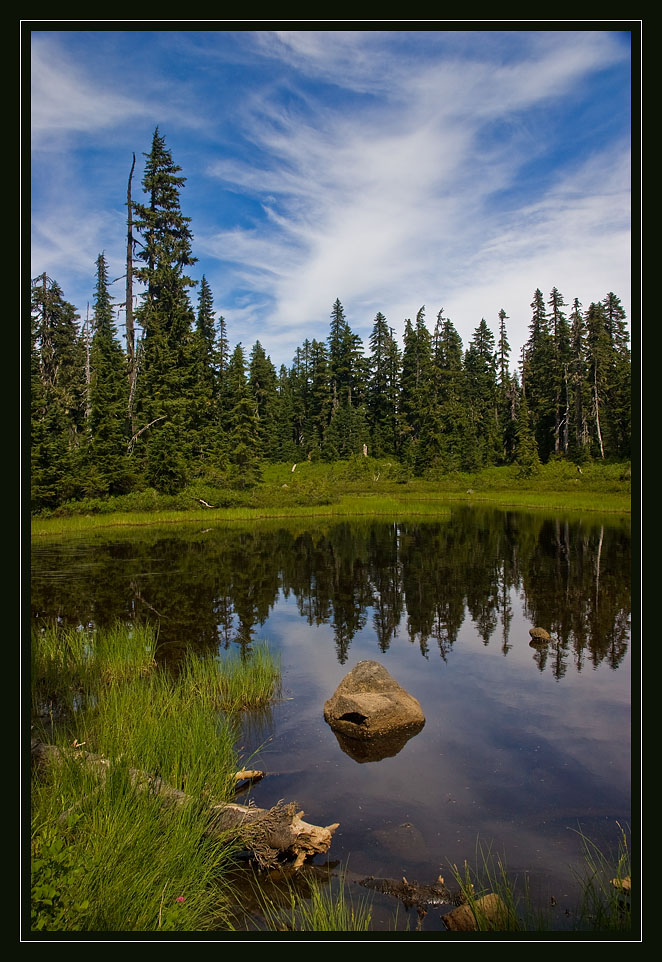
<point x="164" y="397"/>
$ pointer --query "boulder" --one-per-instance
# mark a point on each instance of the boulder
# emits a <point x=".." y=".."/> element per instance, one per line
<point x="371" y="714"/>
<point x="539" y="636"/>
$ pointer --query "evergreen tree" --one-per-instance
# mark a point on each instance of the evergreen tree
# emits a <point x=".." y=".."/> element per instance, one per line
<point x="166" y="375"/>
<point x="243" y="454"/>
<point x="415" y="392"/>
<point x="560" y="372"/>
<point x="285" y="443"/>
<point x="58" y="396"/>
<point x="526" y="449"/>
<point x="538" y="377"/>
<point x="506" y="393"/>
<point x="449" y="388"/>
<point x="382" y="389"/>
<point x="109" y="390"/>
<point x="346" y="434"/>
<point x="263" y="383"/>
<point x="480" y="367"/>
<point x="320" y="399"/>
<point x="204" y="406"/>
<point x="620" y="388"/>
<point x="348" y="368"/>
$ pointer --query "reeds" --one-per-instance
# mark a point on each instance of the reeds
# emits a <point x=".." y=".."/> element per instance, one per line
<point x="605" y="881"/>
<point x="321" y="907"/>
<point x="603" y="885"/>
<point x="106" y="854"/>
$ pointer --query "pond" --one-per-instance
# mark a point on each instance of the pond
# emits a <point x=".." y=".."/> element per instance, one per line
<point x="523" y="747"/>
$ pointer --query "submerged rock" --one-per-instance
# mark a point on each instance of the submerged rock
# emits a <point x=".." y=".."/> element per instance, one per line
<point x="371" y="715"/>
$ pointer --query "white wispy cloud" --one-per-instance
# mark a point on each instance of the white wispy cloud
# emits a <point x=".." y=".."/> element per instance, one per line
<point x="389" y="206"/>
<point x="66" y="99"/>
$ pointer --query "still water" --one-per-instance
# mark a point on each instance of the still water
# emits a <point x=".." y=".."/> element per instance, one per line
<point x="523" y="748"/>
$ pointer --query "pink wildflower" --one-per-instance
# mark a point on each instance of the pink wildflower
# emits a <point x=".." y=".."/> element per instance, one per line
<point x="180" y="898"/>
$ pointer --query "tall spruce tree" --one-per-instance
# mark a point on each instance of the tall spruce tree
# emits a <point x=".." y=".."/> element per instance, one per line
<point x="506" y="393"/>
<point x="382" y="388"/>
<point x="263" y="383"/>
<point x="59" y="395"/>
<point x="167" y="364"/>
<point x="480" y="367"/>
<point x="560" y="331"/>
<point x="538" y="377"/>
<point x="109" y="392"/>
<point x="451" y="393"/>
<point x="415" y="390"/>
<point x="620" y="388"/>
<point x="320" y="402"/>
<point x="243" y="441"/>
<point x="347" y="366"/>
<point x="204" y="405"/>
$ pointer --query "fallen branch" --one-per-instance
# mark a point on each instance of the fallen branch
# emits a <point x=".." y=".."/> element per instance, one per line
<point x="249" y="774"/>
<point x="414" y="894"/>
<point x="204" y="503"/>
<point x="267" y="833"/>
<point x="135" y="437"/>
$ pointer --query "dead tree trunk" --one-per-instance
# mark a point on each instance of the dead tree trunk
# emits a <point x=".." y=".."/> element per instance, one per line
<point x="130" y="334"/>
<point x="266" y="833"/>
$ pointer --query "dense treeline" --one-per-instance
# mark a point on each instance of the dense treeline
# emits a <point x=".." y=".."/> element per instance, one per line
<point x="179" y="404"/>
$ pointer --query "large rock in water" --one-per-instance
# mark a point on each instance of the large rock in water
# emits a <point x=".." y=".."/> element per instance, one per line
<point x="371" y="715"/>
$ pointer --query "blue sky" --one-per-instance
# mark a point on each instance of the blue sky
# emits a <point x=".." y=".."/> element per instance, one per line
<point x="457" y="169"/>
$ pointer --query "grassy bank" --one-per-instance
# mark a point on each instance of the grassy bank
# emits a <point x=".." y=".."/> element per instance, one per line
<point x="106" y="856"/>
<point x="360" y="487"/>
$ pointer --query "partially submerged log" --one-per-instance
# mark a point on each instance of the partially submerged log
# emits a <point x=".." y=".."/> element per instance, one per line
<point x="414" y="894"/>
<point x="266" y="833"/>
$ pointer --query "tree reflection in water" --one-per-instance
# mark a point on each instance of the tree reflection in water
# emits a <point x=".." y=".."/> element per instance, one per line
<point x="215" y="588"/>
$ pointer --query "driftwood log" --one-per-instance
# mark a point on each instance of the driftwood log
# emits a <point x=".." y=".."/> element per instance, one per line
<point x="267" y="833"/>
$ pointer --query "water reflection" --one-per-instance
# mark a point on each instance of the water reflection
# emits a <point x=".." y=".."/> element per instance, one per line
<point x="216" y="587"/>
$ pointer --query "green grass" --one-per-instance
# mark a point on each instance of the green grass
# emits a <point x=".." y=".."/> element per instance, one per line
<point x="606" y="905"/>
<point x="321" y="907"/>
<point x="70" y="665"/>
<point x="107" y="856"/>
<point x="357" y="488"/>
<point x="603" y="905"/>
<point x="233" y="683"/>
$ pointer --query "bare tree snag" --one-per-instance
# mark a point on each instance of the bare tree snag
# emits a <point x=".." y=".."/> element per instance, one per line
<point x="130" y="334"/>
<point x="266" y="833"/>
<point x="137" y="435"/>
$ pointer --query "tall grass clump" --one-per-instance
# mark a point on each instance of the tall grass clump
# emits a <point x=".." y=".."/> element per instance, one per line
<point x="490" y="876"/>
<point x="233" y="683"/>
<point x="71" y="665"/>
<point x="318" y="907"/>
<point x="107" y="852"/>
<point x="605" y="884"/>
<point x="117" y="860"/>
<point x="604" y="887"/>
